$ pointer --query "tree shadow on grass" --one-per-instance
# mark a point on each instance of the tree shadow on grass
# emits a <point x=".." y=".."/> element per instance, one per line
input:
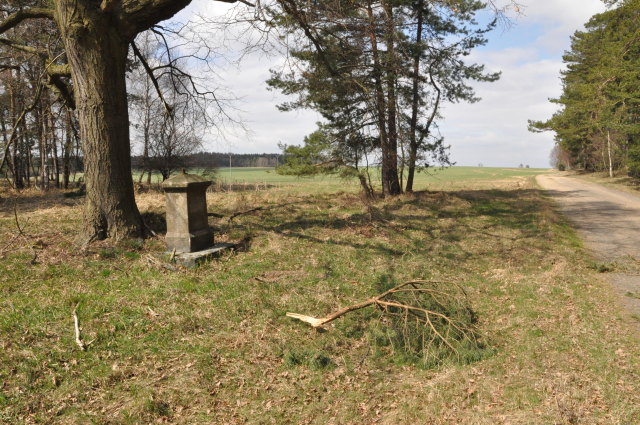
<point x="31" y="200"/>
<point x="420" y="226"/>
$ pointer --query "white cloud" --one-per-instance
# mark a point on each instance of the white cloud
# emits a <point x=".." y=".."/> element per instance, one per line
<point x="570" y="14"/>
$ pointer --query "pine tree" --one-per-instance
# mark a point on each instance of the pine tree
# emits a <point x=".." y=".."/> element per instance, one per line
<point x="378" y="71"/>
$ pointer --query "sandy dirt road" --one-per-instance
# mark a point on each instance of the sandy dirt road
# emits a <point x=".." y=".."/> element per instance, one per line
<point x="608" y="220"/>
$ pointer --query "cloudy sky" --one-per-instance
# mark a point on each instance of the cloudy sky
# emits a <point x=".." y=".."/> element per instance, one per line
<point x="492" y="132"/>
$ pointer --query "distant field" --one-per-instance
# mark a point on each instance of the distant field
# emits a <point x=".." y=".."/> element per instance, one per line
<point x="433" y="178"/>
<point x="269" y="175"/>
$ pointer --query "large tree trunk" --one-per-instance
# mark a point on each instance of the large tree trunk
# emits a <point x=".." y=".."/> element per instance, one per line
<point x="415" y="99"/>
<point x="66" y="154"/>
<point x="54" y="147"/>
<point x="42" y="143"/>
<point x="390" y="151"/>
<point x="381" y="107"/>
<point x="14" y="163"/>
<point x="97" y="50"/>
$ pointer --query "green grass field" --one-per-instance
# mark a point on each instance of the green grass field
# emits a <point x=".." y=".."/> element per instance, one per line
<point x="254" y="175"/>
<point x="213" y="344"/>
<point x="451" y="174"/>
<point x="448" y="178"/>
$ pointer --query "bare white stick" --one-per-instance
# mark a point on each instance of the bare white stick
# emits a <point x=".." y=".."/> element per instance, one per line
<point x="77" y="328"/>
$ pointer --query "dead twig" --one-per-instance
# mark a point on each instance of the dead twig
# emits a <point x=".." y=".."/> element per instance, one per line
<point x="151" y="312"/>
<point x="153" y="261"/>
<point x="15" y="216"/>
<point x="252" y="210"/>
<point x="8" y="246"/>
<point x="76" y="326"/>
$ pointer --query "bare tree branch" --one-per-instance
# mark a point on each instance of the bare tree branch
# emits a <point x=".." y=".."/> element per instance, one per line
<point x="142" y="15"/>
<point x="22" y="47"/>
<point x="59" y="70"/>
<point x="16" y="18"/>
<point x="63" y="89"/>
<point x="238" y="1"/>
<point x="152" y="77"/>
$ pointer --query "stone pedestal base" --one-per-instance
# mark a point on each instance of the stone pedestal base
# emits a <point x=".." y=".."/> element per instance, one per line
<point x="193" y="259"/>
<point x="190" y="242"/>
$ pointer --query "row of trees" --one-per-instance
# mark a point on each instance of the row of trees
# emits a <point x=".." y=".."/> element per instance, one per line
<point x="598" y="125"/>
<point x="378" y="72"/>
<point x="37" y="125"/>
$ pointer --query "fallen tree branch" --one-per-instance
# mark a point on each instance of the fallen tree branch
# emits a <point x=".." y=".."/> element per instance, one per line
<point x="443" y="314"/>
<point x="245" y="212"/>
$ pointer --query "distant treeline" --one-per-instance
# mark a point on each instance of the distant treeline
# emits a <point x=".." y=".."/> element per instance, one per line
<point x="220" y="160"/>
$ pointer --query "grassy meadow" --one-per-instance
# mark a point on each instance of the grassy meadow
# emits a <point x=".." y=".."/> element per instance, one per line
<point x="212" y="345"/>
<point x="257" y="177"/>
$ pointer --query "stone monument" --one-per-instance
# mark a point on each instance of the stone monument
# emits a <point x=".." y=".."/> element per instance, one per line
<point x="189" y="237"/>
<point x="187" y="225"/>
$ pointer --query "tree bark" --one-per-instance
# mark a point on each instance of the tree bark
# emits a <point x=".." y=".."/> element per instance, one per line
<point x="96" y="50"/>
<point x="54" y="147"/>
<point x="415" y="99"/>
<point x="41" y="119"/>
<point x="389" y="171"/>
<point x="390" y="151"/>
<point x="66" y="155"/>
<point x="14" y="165"/>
